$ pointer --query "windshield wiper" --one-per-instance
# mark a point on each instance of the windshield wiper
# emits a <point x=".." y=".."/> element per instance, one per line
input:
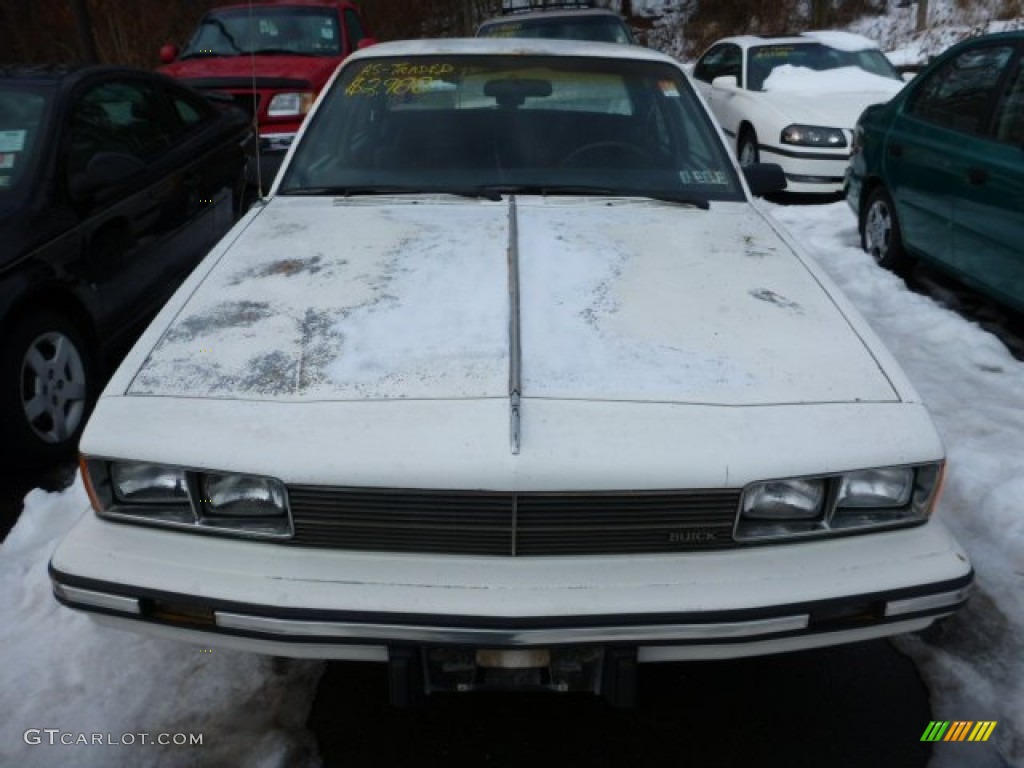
<point x="665" y="196"/>
<point x="476" y="193"/>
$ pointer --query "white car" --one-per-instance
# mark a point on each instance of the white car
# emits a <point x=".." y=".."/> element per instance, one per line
<point x="509" y="383"/>
<point x="795" y="100"/>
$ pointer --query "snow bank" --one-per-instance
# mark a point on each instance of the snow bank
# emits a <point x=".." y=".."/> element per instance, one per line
<point x="60" y="671"/>
<point x="973" y="387"/>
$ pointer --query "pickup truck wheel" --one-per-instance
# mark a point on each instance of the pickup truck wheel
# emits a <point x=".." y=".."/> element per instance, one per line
<point x="46" y="389"/>
<point x="880" y="234"/>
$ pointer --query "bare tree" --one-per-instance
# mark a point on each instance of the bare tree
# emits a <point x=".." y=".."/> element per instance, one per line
<point x="922" y="15"/>
<point x="83" y="27"/>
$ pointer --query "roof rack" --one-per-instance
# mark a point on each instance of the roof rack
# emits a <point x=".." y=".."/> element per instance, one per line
<point x="531" y="5"/>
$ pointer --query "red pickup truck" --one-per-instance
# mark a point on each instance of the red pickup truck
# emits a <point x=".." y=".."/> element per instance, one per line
<point x="272" y="58"/>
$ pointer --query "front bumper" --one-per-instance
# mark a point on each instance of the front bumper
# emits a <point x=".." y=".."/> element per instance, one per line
<point x="297" y="602"/>
<point x="808" y="170"/>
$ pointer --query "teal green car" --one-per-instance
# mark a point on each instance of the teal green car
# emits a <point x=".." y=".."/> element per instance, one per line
<point x="937" y="173"/>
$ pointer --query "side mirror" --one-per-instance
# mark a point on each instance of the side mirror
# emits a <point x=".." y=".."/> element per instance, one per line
<point x="764" y="178"/>
<point x="105" y="171"/>
<point x="168" y="53"/>
<point x="366" y="42"/>
<point x="725" y="83"/>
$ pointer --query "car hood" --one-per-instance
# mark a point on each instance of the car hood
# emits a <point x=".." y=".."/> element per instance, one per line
<point x="837" y="109"/>
<point x="408" y="298"/>
<point x="314" y="69"/>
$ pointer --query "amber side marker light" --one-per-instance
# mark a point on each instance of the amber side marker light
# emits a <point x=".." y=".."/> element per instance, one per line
<point x="940" y="486"/>
<point x="94" y="499"/>
<point x="178" y="613"/>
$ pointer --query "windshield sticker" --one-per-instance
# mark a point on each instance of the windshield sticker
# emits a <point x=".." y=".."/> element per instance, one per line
<point x="397" y="79"/>
<point x="327" y="33"/>
<point x="773" y="52"/>
<point x="668" y="88"/>
<point x="504" y="30"/>
<point x="5" y="181"/>
<point x="703" y="177"/>
<point x="6" y="161"/>
<point x="12" y="141"/>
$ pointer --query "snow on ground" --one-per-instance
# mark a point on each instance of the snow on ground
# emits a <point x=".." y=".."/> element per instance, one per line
<point x="60" y="671"/>
<point x="974" y="390"/>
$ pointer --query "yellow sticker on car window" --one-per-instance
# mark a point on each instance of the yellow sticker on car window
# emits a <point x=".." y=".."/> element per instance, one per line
<point x="6" y="161"/>
<point x="12" y="141"/>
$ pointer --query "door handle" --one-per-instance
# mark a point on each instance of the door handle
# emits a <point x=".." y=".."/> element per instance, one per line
<point x="896" y="150"/>
<point x="977" y="175"/>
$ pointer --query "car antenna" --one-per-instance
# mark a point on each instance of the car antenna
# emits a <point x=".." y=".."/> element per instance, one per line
<point x="255" y="108"/>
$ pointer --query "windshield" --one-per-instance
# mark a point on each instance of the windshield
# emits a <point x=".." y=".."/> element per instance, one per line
<point x="598" y="28"/>
<point x="281" y="29"/>
<point x="531" y="124"/>
<point x="761" y="60"/>
<point x="22" y="122"/>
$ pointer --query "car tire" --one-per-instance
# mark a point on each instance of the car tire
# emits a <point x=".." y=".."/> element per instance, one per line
<point x="880" y="233"/>
<point x="746" y="148"/>
<point x="47" y="387"/>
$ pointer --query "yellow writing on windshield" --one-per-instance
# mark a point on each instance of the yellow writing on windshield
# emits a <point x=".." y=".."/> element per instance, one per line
<point x="396" y="78"/>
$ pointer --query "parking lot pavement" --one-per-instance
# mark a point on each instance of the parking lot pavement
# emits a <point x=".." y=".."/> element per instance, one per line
<point x="855" y="705"/>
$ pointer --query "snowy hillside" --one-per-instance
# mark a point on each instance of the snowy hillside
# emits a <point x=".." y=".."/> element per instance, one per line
<point x="949" y="21"/>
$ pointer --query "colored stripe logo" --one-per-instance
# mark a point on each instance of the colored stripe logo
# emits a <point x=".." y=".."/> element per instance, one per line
<point x="958" y="730"/>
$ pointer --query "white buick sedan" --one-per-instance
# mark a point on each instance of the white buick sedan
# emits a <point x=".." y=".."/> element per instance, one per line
<point x="795" y="100"/>
<point x="510" y="384"/>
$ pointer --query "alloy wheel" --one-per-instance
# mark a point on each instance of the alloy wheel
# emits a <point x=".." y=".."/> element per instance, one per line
<point x="53" y="387"/>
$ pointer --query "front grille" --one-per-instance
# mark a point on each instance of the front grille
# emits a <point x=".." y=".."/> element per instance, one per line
<point x="491" y="523"/>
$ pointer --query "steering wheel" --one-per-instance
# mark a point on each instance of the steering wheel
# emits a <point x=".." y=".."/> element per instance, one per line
<point x="622" y="149"/>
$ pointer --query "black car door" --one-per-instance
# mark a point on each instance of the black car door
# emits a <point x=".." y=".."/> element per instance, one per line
<point x="126" y="227"/>
<point x="212" y="145"/>
<point x="141" y="237"/>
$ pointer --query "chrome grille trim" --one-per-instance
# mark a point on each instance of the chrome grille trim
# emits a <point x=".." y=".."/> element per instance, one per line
<point x="512" y="524"/>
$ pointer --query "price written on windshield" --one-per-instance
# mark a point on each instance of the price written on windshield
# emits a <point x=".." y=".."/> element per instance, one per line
<point x="396" y="78"/>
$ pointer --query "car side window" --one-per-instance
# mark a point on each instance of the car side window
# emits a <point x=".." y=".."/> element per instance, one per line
<point x="1009" y="118"/>
<point x="958" y="94"/>
<point x="721" y="60"/>
<point x="354" y="28"/>
<point x="190" y="110"/>
<point x="116" y="117"/>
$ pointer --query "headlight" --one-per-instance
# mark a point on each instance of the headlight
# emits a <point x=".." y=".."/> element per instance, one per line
<point x="243" y="501"/>
<point x="867" y="498"/>
<point x="148" y="483"/>
<point x="290" y="104"/>
<point x="782" y="499"/>
<point x="249" y="505"/>
<point x="889" y="487"/>
<point x="813" y="136"/>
